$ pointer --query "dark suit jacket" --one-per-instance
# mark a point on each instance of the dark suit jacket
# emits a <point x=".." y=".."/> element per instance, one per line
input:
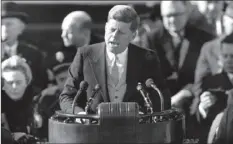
<point x="90" y="65"/>
<point x="161" y="41"/>
<point x="35" y="59"/>
<point x="225" y="131"/>
<point x="18" y="113"/>
<point x="208" y="64"/>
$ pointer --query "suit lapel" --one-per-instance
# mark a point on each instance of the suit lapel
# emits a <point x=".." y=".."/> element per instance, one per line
<point x="168" y="49"/>
<point x="133" y="71"/>
<point x="98" y="65"/>
<point x="183" y="51"/>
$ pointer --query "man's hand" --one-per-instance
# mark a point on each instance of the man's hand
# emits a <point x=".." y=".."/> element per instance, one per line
<point x="178" y="99"/>
<point x="207" y="100"/>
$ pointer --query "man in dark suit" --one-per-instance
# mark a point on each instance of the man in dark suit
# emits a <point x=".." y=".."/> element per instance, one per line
<point x="116" y="65"/>
<point x="216" y="90"/>
<point x="13" y="24"/>
<point x="209" y="62"/>
<point x="178" y="46"/>
<point x="76" y="32"/>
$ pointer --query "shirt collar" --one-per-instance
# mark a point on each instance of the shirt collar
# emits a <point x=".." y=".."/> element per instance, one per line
<point x="13" y="47"/>
<point x="121" y="56"/>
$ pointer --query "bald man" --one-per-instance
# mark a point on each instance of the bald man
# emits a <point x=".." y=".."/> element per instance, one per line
<point x="76" y="32"/>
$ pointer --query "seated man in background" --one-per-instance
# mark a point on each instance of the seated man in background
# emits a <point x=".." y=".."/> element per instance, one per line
<point x="207" y="15"/>
<point x="178" y="45"/>
<point x="47" y="102"/>
<point x="209" y="61"/>
<point x="13" y="25"/>
<point x="76" y="32"/>
<point x="216" y="92"/>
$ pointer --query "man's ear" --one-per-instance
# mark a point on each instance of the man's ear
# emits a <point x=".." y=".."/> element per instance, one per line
<point x="22" y="27"/>
<point x="106" y="26"/>
<point x="135" y="34"/>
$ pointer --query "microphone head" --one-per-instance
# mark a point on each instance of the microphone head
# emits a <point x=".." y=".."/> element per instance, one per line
<point x="97" y="87"/>
<point x="83" y="85"/>
<point x="139" y="86"/>
<point x="149" y="82"/>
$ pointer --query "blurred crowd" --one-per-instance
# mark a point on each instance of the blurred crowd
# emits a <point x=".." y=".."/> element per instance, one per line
<point x="194" y="43"/>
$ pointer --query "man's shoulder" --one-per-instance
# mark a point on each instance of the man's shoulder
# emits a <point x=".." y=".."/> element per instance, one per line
<point x="157" y="33"/>
<point x="28" y="46"/>
<point x="144" y="53"/>
<point x="211" y="45"/>
<point x="91" y="47"/>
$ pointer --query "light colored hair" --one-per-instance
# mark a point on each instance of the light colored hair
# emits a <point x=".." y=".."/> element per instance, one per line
<point x="17" y="63"/>
<point x="80" y="19"/>
<point x="125" y="14"/>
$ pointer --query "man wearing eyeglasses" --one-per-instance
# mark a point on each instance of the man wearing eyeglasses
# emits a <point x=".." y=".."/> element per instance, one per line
<point x="178" y="45"/>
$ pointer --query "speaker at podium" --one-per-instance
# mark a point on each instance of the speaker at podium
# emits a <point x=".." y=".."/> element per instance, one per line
<point x="118" y="123"/>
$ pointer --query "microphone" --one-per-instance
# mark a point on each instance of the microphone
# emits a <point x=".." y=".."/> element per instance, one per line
<point x="146" y="98"/>
<point x="82" y="87"/>
<point x="150" y="83"/>
<point x="90" y="100"/>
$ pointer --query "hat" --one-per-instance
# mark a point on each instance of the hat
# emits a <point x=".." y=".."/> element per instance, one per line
<point x="229" y="10"/>
<point x="60" y="68"/>
<point x="11" y="9"/>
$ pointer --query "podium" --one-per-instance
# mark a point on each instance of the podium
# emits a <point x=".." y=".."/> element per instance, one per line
<point x="118" y="123"/>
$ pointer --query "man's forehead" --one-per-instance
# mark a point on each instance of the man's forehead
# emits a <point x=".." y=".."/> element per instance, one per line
<point x="12" y="75"/>
<point x="118" y="24"/>
<point x="169" y="7"/>
<point x="11" y="19"/>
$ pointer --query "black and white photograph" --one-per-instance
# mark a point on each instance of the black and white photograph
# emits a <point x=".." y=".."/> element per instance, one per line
<point x="116" y="72"/>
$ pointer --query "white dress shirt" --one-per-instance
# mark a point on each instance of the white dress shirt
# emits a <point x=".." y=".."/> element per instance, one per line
<point x="116" y="92"/>
<point x="121" y="61"/>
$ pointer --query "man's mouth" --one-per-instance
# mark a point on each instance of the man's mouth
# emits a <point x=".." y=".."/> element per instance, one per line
<point x="114" y="44"/>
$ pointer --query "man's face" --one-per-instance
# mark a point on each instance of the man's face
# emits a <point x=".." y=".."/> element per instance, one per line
<point x="11" y="28"/>
<point x="174" y="15"/>
<point x="228" y="24"/>
<point x="71" y="34"/>
<point x="15" y="84"/>
<point x="227" y="57"/>
<point x="61" y="79"/>
<point x="118" y="35"/>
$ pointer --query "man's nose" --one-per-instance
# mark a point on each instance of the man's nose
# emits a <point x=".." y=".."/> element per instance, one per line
<point x="14" y="85"/>
<point x="171" y="19"/>
<point x="115" y="34"/>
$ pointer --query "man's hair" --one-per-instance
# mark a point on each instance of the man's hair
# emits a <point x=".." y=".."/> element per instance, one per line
<point x="185" y="3"/>
<point x="125" y="14"/>
<point x="14" y="63"/>
<point x="80" y="18"/>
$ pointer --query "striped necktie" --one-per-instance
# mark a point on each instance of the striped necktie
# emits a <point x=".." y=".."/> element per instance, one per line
<point x="115" y="72"/>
